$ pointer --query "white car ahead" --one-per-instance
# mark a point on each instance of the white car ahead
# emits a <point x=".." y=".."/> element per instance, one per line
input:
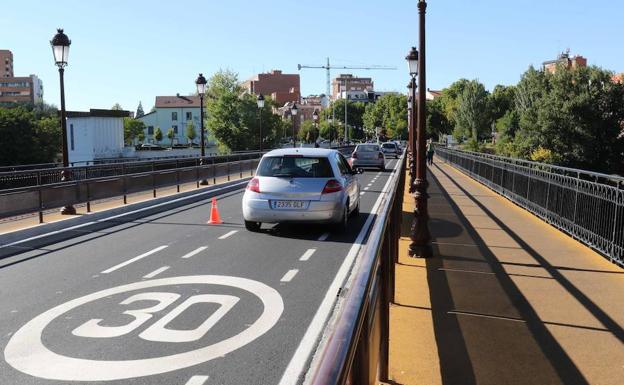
<point x="302" y="185"/>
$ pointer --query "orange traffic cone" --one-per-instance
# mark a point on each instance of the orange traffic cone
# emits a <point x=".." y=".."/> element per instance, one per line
<point x="215" y="218"/>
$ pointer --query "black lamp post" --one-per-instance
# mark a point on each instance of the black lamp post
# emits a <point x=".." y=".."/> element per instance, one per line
<point x="420" y="247"/>
<point x="260" y="101"/>
<point x="315" y="118"/>
<point x="412" y="63"/>
<point x="293" y="113"/>
<point x="200" y="82"/>
<point x="60" y="48"/>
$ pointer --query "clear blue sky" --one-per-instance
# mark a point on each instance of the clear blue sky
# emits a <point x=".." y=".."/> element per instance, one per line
<point x="126" y="51"/>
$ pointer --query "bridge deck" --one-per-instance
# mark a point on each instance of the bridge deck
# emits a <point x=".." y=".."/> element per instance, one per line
<point x="507" y="299"/>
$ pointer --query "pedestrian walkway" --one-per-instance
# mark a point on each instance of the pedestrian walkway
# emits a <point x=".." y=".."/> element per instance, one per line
<point x="506" y="299"/>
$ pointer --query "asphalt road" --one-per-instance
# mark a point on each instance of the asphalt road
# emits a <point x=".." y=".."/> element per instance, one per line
<point x="167" y="299"/>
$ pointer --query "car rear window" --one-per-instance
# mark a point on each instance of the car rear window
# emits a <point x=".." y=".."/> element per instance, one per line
<point x="388" y="145"/>
<point x="367" y="148"/>
<point x="295" y="167"/>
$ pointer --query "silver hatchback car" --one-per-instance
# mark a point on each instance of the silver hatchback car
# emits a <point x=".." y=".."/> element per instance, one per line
<point x="302" y="185"/>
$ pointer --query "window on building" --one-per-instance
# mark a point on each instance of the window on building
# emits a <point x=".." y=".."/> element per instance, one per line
<point x="174" y="116"/>
<point x="175" y="129"/>
<point x="189" y="116"/>
<point x="150" y="130"/>
<point x="71" y="136"/>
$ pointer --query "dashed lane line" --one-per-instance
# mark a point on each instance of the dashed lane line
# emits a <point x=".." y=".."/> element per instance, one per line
<point x="197" y="380"/>
<point x="156" y="272"/>
<point x="307" y="254"/>
<point x="366" y="188"/>
<point x="228" y="234"/>
<point x="323" y="237"/>
<point x="194" y="252"/>
<point x="362" y="193"/>
<point x="290" y="274"/>
<point x="126" y="263"/>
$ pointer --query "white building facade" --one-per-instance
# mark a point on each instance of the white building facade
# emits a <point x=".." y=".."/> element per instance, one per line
<point x="95" y="135"/>
<point x="175" y="112"/>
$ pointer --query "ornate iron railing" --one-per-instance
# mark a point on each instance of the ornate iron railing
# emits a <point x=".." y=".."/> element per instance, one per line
<point x="589" y="206"/>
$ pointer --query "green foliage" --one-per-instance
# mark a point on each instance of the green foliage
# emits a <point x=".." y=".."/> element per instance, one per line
<point x="308" y="132"/>
<point x="190" y="132"/>
<point x="30" y="135"/>
<point x="327" y="130"/>
<point x="132" y="129"/>
<point x="171" y="135"/>
<point x="158" y="135"/>
<point x="389" y="113"/>
<point x="116" y="107"/>
<point x="235" y="119"/>
<point x="437" y="122"/>
<point x="355" y="113"/>
<point x="139" y="111"/>
<point x="472" y="116"/>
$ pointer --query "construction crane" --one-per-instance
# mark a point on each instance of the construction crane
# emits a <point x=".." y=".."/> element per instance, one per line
<point x="328" y="67"/>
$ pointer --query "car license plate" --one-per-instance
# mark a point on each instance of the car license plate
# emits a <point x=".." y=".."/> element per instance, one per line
<point x="288" y="205"/>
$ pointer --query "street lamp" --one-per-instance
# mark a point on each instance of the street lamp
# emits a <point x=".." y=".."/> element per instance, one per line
<point x="420" y="246"/>
<point x="315" y="118"/>
<point x="260" y="101"/>
<point x="412" y="65"/>
<point x="60" y="48"/>
<point x="293" y="113"/>
<point x="200" y="82"/>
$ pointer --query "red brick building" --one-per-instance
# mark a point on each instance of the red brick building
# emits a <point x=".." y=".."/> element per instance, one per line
<point x="565" y="60"/>
<point x="6" y="63"/>
<point x="282" y="88"/>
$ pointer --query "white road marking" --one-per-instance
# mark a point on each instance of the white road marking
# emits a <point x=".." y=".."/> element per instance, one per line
<point x="363" y="192"/>
<point x="116" y="267"/>
<point x="156" y="272"/>
<point x="194" y="252"/>
<point x="368" y="185"/>
<point x="317" y="325"/>
<point x="323" y="237"/>
<point x="228" y="234"/>
<point x="244" y="182"/>
<point x="366" y="188"/>
<point x="307" y="254"/>
<point x="197" y="380"/>
<point x="26" y="352"/>
<point x="290" y="274"/>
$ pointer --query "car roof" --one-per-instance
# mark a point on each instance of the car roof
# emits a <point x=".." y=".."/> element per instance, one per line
<point x="305" y="151"/>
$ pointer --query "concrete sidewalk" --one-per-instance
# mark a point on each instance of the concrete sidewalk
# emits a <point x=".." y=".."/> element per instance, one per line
<point x="507" y="299"/>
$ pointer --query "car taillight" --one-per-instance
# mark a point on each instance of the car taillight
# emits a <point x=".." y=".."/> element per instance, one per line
<point x="381" y="156"/>
<point x="332" y="186"/>
<point x="254" y="185"/>
<point x="354" y="155"/>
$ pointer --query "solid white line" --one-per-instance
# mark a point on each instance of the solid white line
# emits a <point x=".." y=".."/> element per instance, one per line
<point x="197" y="380"/>
<point x="196" y="251"/>
<point x="323" y="237"/>
<point x="307" y="254"/>
<point x="110" y="270"/>
<point x="317" y="325"/>
<point x="120" y="215"/>
<point x="156" y="272"/>
<point x="290" y="274"/>
<point x="228" y="234"/>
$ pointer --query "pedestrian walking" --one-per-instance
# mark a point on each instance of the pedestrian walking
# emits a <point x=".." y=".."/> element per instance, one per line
<point x="430" y="152"/>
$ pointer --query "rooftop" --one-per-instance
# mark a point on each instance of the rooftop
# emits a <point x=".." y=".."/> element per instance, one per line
<point x="177" y="101"/>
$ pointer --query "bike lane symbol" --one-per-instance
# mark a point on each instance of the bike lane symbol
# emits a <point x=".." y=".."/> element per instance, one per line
<point x="27" y="353"/>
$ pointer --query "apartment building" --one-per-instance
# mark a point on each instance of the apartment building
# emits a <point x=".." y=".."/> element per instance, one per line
<point x="351" y="87"/>
<point x="566" y="60"/>
<point x="6" y="63"/>
<point x="281" y="87"/>
<point x="175" y="112"/>
<point x="16" y="89"/>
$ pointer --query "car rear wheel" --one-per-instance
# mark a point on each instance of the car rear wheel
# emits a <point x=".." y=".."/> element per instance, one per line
<point x="341" y="227"/>
<point x="356" y="210"/>
<point x="253" y="226"/>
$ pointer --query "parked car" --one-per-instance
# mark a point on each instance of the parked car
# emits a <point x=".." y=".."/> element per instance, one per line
<point x="368" y="155"/>
<point x="311" y="185"/>
<point x="391" y="149"/>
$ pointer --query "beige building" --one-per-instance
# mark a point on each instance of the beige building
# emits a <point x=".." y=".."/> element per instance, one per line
<point x="17" y="89"/>
<point x="351" y="87"/>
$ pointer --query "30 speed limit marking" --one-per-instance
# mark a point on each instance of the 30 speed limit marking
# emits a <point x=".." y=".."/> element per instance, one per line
<point x="27" y="353"/>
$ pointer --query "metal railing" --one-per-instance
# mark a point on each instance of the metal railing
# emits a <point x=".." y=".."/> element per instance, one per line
<point x="358" y="343"/>
<point x="589" y="206"/>
<point x="42" y="197"/>
<point x="43" y="176"/>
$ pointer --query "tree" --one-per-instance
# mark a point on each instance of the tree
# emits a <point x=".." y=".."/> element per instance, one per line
<point x="355" y="112"/>
<point x="190" y="132"/>
<point x="132" y="129"/>
<point x="234" y="118"/>
<point x="158" y="135"/>
<point x="389" y="113"/>
<point x="327" y="130"/>
<point x="308" y="132"/>
<point x="139" y="111"/>
<point x="437" y="122"/>
<point x="170" y="135"/>
<point x="30" y="135"/>
<point x="473" y="112"/>
<point x="117" y="107"/>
